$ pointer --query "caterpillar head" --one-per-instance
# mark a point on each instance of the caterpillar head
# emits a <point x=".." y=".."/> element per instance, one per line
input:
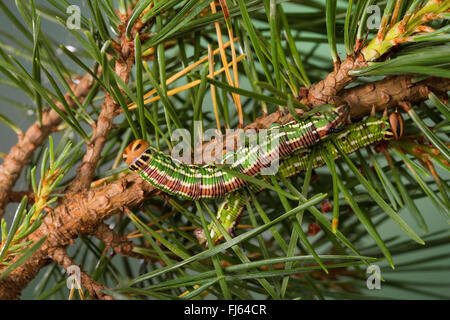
<point x="393" y="126"/>
<point x="330" y="120"/>
<point x="397" y="124"/>
<point x="134" y="150"/>
<point x="201" y="236"/>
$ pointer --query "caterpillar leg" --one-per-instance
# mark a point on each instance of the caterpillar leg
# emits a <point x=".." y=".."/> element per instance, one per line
<point x="228" y="215"/>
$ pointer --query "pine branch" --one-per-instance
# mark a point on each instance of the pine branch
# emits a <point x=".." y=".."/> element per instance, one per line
<point x="387" y="93"/>
<point x="21" y="153"/>
<point x="328" y="89"/>
<point x="119" y="244"/>
<point x="122" y="68"/>
<point x="382" y="94"/>
<point x="83" y="209"/>
<point x="77" y="215"/>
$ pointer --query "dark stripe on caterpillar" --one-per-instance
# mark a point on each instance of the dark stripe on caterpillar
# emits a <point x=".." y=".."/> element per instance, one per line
<point x="195" y="182"/>
<point x="354" y="137"/>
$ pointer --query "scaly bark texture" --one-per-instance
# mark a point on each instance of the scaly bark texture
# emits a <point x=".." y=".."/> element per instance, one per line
<point x="327" y="90"/>
<point x="21" y="153"/>
<point x="386" y="93"/>
<point x="78" y="215"/>
<point x="104" y="124"/>
<point x="119" y="244"/>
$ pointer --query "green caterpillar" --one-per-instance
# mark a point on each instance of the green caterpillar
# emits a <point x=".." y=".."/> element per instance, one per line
<point x="354" y="137"/>
<point x="210" y="181"/>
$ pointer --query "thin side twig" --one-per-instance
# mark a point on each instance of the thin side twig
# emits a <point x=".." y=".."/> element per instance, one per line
<point x="21" y="153"/>
<point x="119" y="244"/>
<point x="95" y="289"/>
<point x="104" y="125"/>
<point x="77" y="215"/>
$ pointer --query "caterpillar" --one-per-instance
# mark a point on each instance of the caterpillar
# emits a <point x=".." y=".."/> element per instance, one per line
<point x="210" y="181"/>
<point x="354" y="137"/>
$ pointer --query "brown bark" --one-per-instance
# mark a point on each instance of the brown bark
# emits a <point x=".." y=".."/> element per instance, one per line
<point x="21" y="153"/>
<point x="386" y="93"/>
<point x="80" y="214"/>
<point x="327" y="90"/>
<point x="104" y="124"/>
<point x="119" y="244"/>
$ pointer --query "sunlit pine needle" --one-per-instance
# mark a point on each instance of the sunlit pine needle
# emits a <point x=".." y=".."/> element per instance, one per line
<point x="184" y="87"/>
<point x="181" y="73"/>
<point x="213" y="87"/>
<point x="236" y="97"/>
<point x="226" y="14"/>
<point x="187" y="291"/>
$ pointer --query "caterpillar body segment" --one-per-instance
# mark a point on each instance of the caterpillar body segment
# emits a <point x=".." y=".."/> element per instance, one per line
<point x="229" y="214"/>
<point x="283" y="140"/>
<point x="354" y="137"/>
<point x="187" y="181"/>
<point x="209" y="181"/>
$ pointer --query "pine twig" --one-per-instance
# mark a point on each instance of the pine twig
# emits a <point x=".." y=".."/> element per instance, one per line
<point x="95" y="289"/>
<point x="119" y="244"/>
<point x="386" y="93"/>
<point x="86" y="170"/>
<point x="326" y="90"/>
<point x="21" y="153"/>
<point x="77" y="215"/>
